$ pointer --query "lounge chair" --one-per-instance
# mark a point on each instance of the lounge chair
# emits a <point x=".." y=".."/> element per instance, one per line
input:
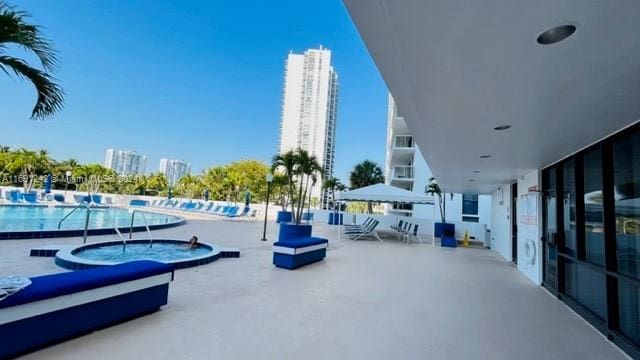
<point x="369" y="231"/>
<point x="61" y="306"/>
<point x="206" y="208"/>
<point x="198" y="207"/>
<point x="398" y="226"/>
<point x="243" y="213"/>
<point x="137" y="202"/>
<point x="30" y="198"/>
<point x="13" y="196"/>
<point x="215" y="210"/>
<point x="81" y="199"/>
<point x="366" y="223"/>
<point x="231" y="211"/>
<point x="413" y="233"/>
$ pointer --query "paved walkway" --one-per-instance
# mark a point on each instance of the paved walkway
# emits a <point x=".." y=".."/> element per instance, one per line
<point x="368" y="300"/>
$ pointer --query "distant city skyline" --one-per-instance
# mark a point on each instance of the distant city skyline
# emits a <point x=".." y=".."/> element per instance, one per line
<point x="206" y="89"/>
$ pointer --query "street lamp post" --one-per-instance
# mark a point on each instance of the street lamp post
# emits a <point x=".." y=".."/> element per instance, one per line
<point x="66" y="183"/>
<point x="266" y="208"/>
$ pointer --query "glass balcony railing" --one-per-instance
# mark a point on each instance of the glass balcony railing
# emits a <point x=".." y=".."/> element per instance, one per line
<point x="403" y="141"/>
<point x="403" y="172"/>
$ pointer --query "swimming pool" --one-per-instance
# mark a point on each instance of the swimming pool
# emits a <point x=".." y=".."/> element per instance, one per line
<point x="21" y="222"/>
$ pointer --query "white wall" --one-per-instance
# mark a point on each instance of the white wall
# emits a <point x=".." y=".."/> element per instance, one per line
<point x="501" y="221"/>
<point x="529" y="230"/>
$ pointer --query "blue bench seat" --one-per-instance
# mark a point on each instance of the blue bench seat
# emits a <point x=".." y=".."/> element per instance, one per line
<point x="294" y="253"/>
<point x="60" y="306"/>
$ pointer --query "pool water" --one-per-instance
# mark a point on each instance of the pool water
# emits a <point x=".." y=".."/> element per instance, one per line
<point x="35" y="218"/>
<point x="163" y="252"/>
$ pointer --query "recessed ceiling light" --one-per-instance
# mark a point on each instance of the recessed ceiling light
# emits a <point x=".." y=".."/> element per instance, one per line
<point x="556" y="34"/>
<point x="476" y="171"/>
<point x="485" y="156"/>
<point x="502" y="127"/>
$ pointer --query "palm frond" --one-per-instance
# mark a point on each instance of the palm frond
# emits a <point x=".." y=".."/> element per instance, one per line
<point x="50" y="95"/>
<point x="14" y="29"/>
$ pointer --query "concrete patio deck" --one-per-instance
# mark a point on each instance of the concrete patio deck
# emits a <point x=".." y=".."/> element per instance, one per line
<point x="367" y="300"/>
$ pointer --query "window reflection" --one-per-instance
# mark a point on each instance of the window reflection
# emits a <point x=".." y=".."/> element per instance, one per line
<point x="626" y="174"/>
<point x="594" y="215"/>
<point x="569" y="203"/>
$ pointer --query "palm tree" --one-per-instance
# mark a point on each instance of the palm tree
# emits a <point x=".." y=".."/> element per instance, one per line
<point x="309" y="169"/>
<point x="334" y="185"/>
<point x="364" y="174"/>
<point x="29" y="164"/>
<point x="301" y="167"/>
<point x="189" y="185"/>
<point x="15" y="30"/>
<point x="287" y="163"/>
<point x="157" y="182"/>
<point x="280" y="189"/>
<point x="434" y="189"/>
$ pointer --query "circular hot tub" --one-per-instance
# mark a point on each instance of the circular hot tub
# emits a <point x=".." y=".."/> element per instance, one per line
<point x="173" y="252"/>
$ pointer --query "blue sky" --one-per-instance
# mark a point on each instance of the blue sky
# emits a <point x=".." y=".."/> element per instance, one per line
<point x="194" y="80"/>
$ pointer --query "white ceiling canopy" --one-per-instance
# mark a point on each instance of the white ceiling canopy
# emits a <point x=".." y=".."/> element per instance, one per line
<point x="458" y="69"/>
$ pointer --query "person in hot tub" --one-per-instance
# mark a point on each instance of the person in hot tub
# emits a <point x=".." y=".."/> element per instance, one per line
<point x="193" y="242"/>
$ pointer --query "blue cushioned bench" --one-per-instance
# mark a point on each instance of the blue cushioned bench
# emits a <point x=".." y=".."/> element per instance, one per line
<point x="61" y="306"/>
<point x="294" y="253"/>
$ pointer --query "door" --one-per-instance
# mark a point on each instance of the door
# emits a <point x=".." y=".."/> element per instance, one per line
<point x="550" y="230"/>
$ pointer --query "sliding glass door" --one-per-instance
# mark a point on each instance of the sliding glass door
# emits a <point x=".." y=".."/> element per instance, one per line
<point x="591" y="235"/>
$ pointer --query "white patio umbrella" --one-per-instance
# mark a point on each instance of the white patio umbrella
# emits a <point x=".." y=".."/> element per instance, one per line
<point x="383" y="193"/>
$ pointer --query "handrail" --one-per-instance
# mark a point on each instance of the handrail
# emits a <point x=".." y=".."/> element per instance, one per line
<point x="146" y="225"/>
<point x="69" y="214"/>
<point x="124" y="241"/>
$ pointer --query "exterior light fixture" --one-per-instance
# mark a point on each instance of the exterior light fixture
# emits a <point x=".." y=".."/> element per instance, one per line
<point x="485" y="156"/>
<point x="556" y="34"/>
<point x="502" y="127"/>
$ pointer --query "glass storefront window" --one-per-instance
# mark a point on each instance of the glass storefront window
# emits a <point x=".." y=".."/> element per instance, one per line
<point x="626" y="179"/>
<point x="629" y="295"/>
<point x="593" y="211"/>
<point x="586" y="286"/>
<point x="569" y="204"/>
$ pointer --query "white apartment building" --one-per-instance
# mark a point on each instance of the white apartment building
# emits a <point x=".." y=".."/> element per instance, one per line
<point x="309" y="110"/>
<point x="173" y="170"/>
<point x="125" y="162"/>
<point x="407" y="169"/>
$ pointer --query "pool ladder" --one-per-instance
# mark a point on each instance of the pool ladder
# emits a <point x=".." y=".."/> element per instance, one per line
<point x="86" y="219"/>
<point x="146" y="225"/>
<point x="124" y="240"/>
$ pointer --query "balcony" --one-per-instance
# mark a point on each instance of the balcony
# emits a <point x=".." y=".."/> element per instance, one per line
<point x="403" y="141"/>
<point x="402" y="172"/>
